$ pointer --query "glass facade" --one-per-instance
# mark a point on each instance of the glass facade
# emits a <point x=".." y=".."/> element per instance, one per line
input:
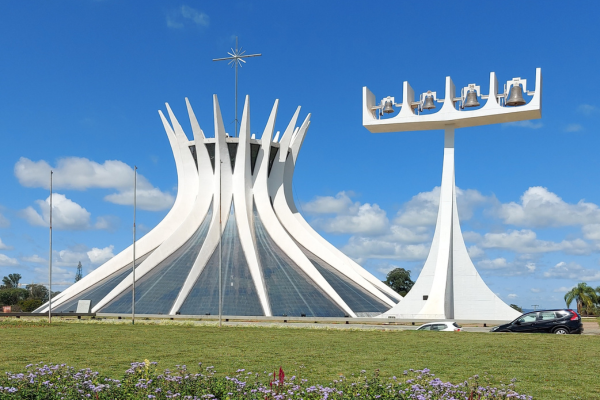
<point x="100" y="289"/>
<point x="210" y="147"/>
<point x="239" y="296"/>
<point x="193" y="151"/>
<point x="357" y="298"/>
<point x="291" y="292"/>
<point x="232" y="148"/>
<point x="272" y="155"/>
<point x="254" y="149"/>
<point x="156" y="291"/>
<point x="389" y="297"/>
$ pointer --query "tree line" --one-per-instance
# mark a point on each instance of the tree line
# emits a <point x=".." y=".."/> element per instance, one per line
<point x="22" y="299"/>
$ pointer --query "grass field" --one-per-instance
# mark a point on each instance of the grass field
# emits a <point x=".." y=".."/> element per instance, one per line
<point x="545" y="366"/>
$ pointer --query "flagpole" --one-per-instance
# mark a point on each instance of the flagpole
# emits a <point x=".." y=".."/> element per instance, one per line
<point x="50" y="258"/>
<point x="134" y="207"/>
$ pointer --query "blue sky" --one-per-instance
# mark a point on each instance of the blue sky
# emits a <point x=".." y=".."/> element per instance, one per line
<point x="81" y="83"/>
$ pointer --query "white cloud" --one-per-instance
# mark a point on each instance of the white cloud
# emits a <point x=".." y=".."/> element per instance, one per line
<point x="502" y="267"/>
<point x="525" y="241"/>
<point x="177" y="18"/>
<point x="562" y="289"/>
<point x="587" y="109"/>
<point x="340" y="204"/>
<point x="362" y="248"/>
<point x="573" y="128"/>
<point x="109" y="223"/>
<point x="173" y="23"/>
<point x="70" y="257"/>
<point x="384" y="268"/>
<point x="5" y="246"/>
<point x="147" y="199"/>
<point x="471" y="236"/>
<point x="60" y="276"/>
<point x="66" y="214"/>
<point x="350" y="217"/>
<point x="422" y="209"/>
<point x="100" y="256"/>
<point x="572" y="270"/>
<point x="408" y="236"/>
<point x="536" y="290"/>
<point x="34" y="259"/>
<point x="475" y="252"/>
<point x="541" y="208"/>
<point x="6" y="261"/>
<point x="80" y="174"/>
<point x="368" y="220"/>
<point x="524" y="124"/>
<point x="4" y="222"/>
<point x="512" y="296"/>
<point x="591" y="231"/>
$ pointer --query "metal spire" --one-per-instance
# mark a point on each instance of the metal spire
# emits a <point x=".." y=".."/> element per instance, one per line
<point x="236" y="59"/>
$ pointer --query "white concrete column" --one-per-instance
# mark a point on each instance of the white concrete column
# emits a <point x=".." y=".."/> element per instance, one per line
<point x="435" y="306"/>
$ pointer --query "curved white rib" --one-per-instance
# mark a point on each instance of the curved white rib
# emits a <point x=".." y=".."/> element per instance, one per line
<point x="242" y="198"/>
<point x="271" y="223"/>
<point x="186" y="192"/>
<point x="271" y="192"/>
<point x="295" y="146"/>
<point x="190" y="224"/>
<point x="222" y="192"/>
<point x="281" y="179"/>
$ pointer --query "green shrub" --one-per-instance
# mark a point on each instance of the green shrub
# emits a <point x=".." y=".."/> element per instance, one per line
<point x="30" y="304"/>
<point x="11" y="297"/>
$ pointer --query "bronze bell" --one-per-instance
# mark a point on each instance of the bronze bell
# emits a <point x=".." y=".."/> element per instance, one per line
<point x="516" y="96"/>
<point x="471" y="100"/>
<point x="428" y="103"/>
<point x="387" y="108"/>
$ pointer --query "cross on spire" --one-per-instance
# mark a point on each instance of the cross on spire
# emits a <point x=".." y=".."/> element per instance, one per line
<point x="237" y="58"/>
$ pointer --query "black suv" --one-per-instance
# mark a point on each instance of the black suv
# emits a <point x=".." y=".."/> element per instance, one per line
<point x="561" y="322"/>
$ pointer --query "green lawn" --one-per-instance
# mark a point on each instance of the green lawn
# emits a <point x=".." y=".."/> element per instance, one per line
<point x="546" y="366"/>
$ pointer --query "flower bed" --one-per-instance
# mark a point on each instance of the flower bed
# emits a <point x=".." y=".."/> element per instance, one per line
<point x="144" y="381"/>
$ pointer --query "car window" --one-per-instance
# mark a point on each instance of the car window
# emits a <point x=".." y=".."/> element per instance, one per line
<point x="456" y="325"/>
<point x="528" y="318"/>
<point x="562" y="314"/>
<point x="425" y="328"/>
<point x="438" y="327"/>
<point x="547" y="315"/>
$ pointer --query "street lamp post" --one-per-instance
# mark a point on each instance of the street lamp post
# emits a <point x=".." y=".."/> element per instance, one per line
<point x="50" y="258"/>
<point x="133" y="271"/>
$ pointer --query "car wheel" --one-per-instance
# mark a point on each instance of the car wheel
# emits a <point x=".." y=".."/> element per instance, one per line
<point x="561" y="331"/>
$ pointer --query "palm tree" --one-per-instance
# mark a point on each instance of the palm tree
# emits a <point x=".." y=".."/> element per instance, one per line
<point x="11" y="281"/>
<point x="583" y="294"/>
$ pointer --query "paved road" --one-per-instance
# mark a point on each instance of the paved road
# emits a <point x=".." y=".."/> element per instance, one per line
<point x="590" y="328"/>
<point x="342" y="326"/>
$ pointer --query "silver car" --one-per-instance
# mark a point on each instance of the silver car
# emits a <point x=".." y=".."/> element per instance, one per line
<point x="444" y="326"/>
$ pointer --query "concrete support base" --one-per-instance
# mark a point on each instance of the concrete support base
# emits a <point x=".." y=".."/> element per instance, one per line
<point x="449" y="286"/>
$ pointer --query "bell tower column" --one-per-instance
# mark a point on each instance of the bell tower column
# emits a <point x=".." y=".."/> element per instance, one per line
<point x="439" y="300"/>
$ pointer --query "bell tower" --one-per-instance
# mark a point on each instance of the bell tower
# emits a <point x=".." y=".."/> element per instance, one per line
<point x="449" y="286"/>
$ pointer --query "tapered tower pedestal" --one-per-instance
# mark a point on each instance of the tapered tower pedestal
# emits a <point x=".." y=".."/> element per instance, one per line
<point x="449" y="286"/>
